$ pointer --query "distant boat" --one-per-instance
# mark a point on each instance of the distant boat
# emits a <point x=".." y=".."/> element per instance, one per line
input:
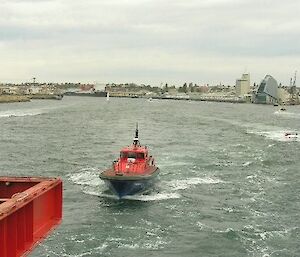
<point x="275" y="104"/>
<point x="59" y="97"/>
<point x="291" y="135"/>
<point x="282" y="109"/>
<point x="100" y="93"/>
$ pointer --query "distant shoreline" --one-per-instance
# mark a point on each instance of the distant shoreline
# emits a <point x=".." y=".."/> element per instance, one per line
<point x="13" y="98"/>
<point x="27" y="98"/>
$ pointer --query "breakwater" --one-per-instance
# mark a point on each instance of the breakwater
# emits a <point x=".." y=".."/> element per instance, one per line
<point x="47" y="96"/>
<point x="204" y="98"/>
<point x="27" y="98"/>
<point x="13" y="98"/>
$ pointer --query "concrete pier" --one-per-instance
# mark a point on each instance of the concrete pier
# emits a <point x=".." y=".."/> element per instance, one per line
<point x="13" y="98"/>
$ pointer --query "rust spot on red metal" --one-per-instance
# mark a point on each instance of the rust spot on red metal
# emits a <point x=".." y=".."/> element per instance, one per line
<point x="30" y="207"/>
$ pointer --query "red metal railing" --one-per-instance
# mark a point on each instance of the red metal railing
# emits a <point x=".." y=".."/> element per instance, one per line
<point x="29" y="209"/>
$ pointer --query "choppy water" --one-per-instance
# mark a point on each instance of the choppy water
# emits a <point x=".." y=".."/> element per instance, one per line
<point x="229" y="183"/>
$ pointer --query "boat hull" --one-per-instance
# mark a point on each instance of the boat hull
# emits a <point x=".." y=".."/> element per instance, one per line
<point x="129" y="185"/>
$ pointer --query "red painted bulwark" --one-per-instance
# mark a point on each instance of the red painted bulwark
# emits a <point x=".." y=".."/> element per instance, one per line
<point x="29" y="209"/>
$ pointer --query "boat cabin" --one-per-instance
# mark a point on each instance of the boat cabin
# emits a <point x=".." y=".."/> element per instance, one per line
<point x="133" y="159"/>
<point x="134" y="154"/>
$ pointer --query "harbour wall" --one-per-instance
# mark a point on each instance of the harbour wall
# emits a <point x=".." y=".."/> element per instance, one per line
<point x="13" y="98"/>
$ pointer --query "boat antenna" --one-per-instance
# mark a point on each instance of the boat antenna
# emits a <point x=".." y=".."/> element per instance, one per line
<point x="136" y="138"/>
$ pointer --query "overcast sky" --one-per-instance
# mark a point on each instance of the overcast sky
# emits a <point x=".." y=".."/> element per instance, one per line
<point x="149" y="41"/>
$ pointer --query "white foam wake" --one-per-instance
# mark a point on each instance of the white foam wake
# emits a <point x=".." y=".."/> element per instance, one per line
<point x="278" y="135"/>
<point x="86" y="177"/>
<point x="287" y="114"/>
<point x="144" y="197"/>
<point x="20" y="113"/>
<point x="181" y="184"/>
<point x="91" y="184"/>
<point x="153" y="197"/>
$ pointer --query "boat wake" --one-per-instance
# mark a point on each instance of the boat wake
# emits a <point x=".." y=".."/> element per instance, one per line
<point x="91" y="184"/>
<point x="153" y="196"/>
<point x="86" y="177"/>
<point x="20" y="113"/>
<point x="270" y="132"/>
<point x="143" y="197"/>
<point x="181" y="184"/>
<point x="288" y="114"/>
<point x="276" y="135"/>
<point x="148" y="196"/>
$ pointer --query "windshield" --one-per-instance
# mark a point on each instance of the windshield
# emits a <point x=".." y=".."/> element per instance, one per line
<point x="131" y="155"/>
<point x="140" y="156"/>
<point x="123" y="155"/>
<point x="128" y="155"/>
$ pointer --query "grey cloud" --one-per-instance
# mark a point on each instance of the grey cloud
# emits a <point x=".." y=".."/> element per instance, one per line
<point x="174" y="29"/>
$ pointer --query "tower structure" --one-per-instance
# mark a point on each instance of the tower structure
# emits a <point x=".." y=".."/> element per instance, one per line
<point x="242" y="85"/>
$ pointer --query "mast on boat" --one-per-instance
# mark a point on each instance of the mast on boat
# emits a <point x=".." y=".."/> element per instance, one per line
<point x="136" y="141"/>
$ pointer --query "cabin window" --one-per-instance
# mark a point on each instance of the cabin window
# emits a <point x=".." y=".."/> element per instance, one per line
<point x="140" y="156"/>
<point x="123" y="155"/>
<point x="131" y="155"/>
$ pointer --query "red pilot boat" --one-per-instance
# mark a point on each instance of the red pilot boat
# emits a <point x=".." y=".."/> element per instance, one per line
<point x="133" y="172"/>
